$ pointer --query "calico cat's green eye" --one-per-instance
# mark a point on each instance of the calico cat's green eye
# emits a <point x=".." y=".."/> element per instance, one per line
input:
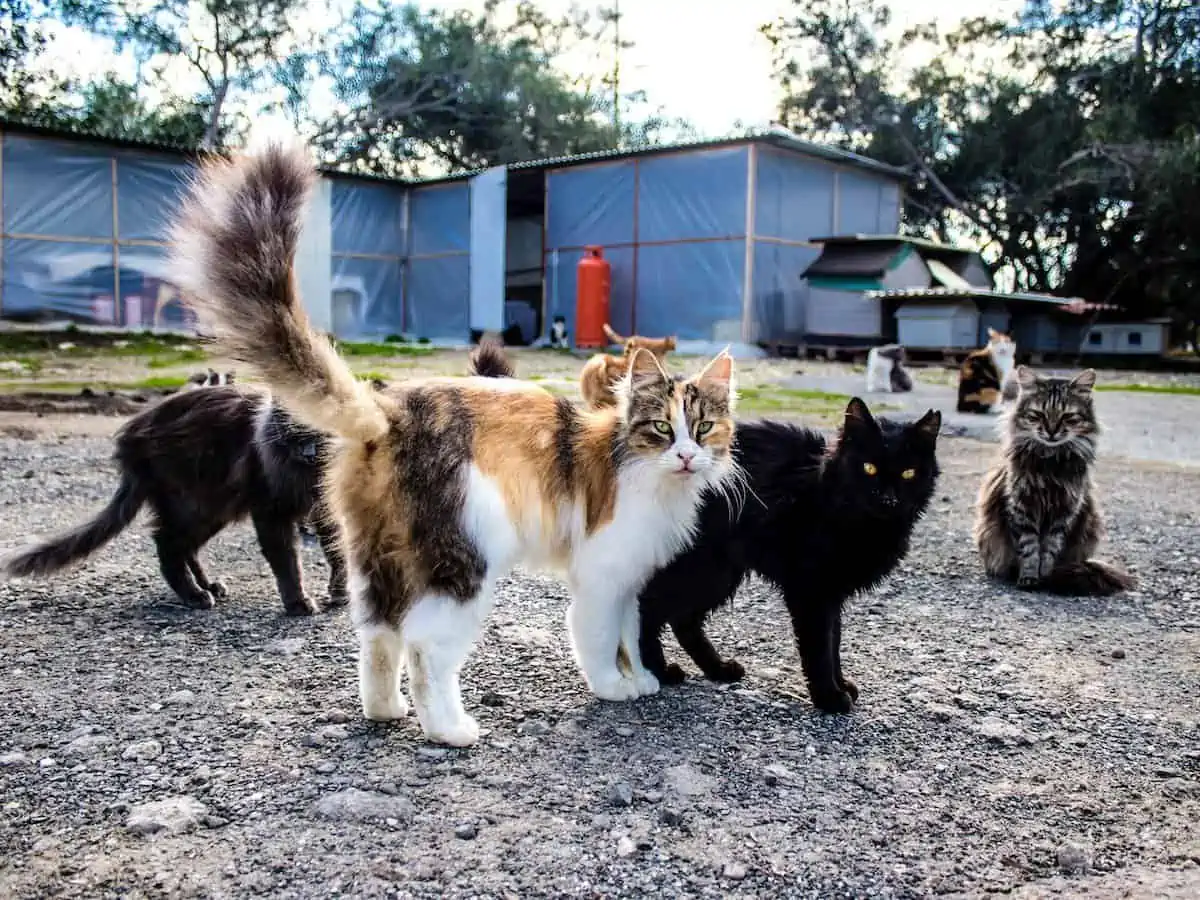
<point x="908" y="474"/>
<point x="662" y="427"/>
<point x="870" y="469"/>
<point x="703" y="428"/>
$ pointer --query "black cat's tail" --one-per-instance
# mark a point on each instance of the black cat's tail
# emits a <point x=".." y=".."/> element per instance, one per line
<point x="1091" y="578"/>
<point x="83" y="540"/>
<point x="489" y="360"/>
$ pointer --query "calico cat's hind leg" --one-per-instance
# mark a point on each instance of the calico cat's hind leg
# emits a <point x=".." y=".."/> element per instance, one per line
<point x="277" y="538"/>
<point x="690" y="634"/>
<point x="631" y="620"/>
<point x="439" y="632"/>
<point x="380" y="661"/>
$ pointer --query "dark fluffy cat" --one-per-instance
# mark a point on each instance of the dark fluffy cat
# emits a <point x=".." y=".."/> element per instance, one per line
<point x="1037" y="522"/>
<point x="204" y="459"/>
<point x="821" y="522"/>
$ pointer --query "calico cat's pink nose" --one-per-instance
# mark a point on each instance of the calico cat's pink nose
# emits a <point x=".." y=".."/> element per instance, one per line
<point x="685" y="457"/>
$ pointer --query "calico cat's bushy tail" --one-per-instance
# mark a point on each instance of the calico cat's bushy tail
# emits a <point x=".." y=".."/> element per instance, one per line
<point x="1091" y="578"/>
<point x="83" y="540"/>
<point x="235" y="239"/>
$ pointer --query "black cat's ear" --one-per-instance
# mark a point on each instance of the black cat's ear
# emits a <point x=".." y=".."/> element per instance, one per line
<point x="929" y="425"/>
<point x="859" y="419"/>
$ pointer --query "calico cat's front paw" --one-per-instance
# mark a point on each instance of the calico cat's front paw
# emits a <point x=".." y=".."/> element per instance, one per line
<point x="832" y="700"/>
<point x="729" y="671"/>
<point x="614" y="687"/>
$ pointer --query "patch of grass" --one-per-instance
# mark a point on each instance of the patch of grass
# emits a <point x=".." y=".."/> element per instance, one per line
<point x="177" y="358"/>
<point x="158" y="382"/>
<point x="1186" y="389"/>
<point x="375" y="348"/>
<point x="768" y="400"/>
<point x="372" y="376"/>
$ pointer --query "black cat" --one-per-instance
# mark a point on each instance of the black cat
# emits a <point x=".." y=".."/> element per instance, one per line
<point x="204" y="459"/>
<point x="822" y="523"/>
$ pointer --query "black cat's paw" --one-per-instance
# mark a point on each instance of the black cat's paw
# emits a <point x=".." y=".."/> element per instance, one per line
<point x="728" y="672"/>
<point x="337" y="598"/>
<point x="300" y="606"/>
<point x="1027" y="581"/>
<point x="850" y="688"/>
<point x="672" y="674"/>
<point x="200" y="600"/>
<point x="218" y="590"/>
<point x="833" y="700"/>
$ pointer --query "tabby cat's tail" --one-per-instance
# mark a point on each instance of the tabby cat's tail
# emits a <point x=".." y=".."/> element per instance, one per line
<point x="1091" y="578"/>
<point x="235" y="240"/>
<point x="489" y="360"/>
<point x="83" y="540"/>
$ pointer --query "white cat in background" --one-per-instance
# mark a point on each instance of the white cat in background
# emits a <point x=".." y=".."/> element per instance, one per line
<point x="885" y="370"/>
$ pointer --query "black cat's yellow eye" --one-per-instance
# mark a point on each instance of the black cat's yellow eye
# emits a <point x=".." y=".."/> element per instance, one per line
<point x="703" y="428"/>
<point x="662" y="427"/>
<point x="908" y="474"/>
<point x="870" y="469"/>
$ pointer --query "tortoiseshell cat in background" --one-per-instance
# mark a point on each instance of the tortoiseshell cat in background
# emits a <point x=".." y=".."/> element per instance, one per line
<point x="1038" y="522"/>
<point x="986" y="374"/>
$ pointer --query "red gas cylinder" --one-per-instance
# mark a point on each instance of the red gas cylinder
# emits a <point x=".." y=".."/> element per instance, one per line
<point x="592" y="288"/>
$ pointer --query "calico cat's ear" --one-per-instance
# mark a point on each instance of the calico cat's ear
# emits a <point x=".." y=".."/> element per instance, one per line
<point x="859" y="419"/>
<point x="1026" y="378"/>
<point x="719" y="370"/>
<point x="929" y="425"/>
<point x="992" y="333"/>
<point x="1084" y="381"/>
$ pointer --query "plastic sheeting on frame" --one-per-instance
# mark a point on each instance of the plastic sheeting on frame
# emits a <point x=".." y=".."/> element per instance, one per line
<point x="57" y="188"/>
<point x="591" y="204"/>
<point x="561" y="281"/>
<point x="439" y="220"/>
<point x="367" y="218"/>
<point x="860" y="205"/>
<point x="793" y="197"/>
<point x="693" y="291"/>
<point x="684" y="196"/>
<point x="367" y="297"/>
<point x="148" y="192"/>
<point x="779" y="293"/>
<point x="437" y="299"/>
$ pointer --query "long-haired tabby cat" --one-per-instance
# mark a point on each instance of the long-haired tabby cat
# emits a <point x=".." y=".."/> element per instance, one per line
<point x="1037" y="521"/>
<point x="441" y="485"/>
<point x="203" y="459"/>
<point x="820" y="522"/>
<point x="984" y="374"/>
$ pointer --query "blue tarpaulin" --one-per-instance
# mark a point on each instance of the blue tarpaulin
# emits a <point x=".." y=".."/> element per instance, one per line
<point x="590" y="205"/>
<point x="684" y="196"/>
<point x="437" y="293"/>
<point x="693" y="291"/>
<point x="367" y="234"/>
<point x="794" y="197"/>
<point x="148" y="191"/>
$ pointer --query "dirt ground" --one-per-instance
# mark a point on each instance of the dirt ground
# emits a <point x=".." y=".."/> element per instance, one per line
<point x="1005" y="743"/>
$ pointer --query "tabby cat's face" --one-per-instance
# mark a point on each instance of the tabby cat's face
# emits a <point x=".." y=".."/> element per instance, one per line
<point x="685" y="425"/>
<point x="1055" y="413"/>
<point x="889" y="468"/>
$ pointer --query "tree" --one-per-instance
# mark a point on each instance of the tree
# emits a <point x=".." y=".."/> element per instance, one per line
<point x="225" y="44"/>
<point x="112" y="107"/>
<point x="25" y="92"/>
<point x="414" y="89"/>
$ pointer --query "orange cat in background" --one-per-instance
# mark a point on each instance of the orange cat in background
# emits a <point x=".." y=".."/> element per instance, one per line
<point x="602" y="370"/>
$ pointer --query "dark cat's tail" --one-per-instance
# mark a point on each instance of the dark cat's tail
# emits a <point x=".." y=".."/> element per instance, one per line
<point x="489" y="360"/>
<point x="1092" y="578"/>
<point x="234" y="241"/>
<point x="83" y="540"/>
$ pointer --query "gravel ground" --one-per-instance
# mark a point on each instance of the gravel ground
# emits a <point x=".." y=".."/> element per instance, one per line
<point x="1004" y="743"/>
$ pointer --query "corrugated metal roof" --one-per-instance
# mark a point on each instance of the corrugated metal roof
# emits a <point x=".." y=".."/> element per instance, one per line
<point x="1066" y="304"/>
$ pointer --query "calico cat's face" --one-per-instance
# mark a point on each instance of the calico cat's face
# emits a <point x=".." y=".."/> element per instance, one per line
<point x="1055" y="413"/>
<point x="1002" y="347"/>
<point x="684" y="425"/>
<point x="889" y="469"/>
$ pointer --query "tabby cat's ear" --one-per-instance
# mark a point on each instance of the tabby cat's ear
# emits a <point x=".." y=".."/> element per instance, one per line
<point x="1084" y="381"/>
<point x="1026" y="378"/>
<point x="929" y="425"/>
<point x="859" y="419"/>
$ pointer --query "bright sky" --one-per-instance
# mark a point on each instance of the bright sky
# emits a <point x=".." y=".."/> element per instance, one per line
<point x="701" y="60"/>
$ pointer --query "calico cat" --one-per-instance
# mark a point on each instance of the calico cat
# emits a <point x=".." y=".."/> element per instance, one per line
<point x="204" y="459"/>
<point x="885" y="370"/>
<point x="984" y="374"/>
<point x="1037" y="521"/>
<point x="820" y="522"/>
<point x="441" y="485"/>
